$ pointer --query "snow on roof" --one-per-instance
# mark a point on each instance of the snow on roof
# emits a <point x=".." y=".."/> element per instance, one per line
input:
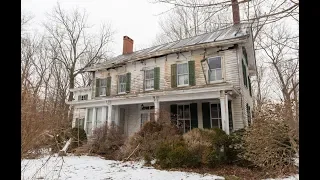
<point x="235" y="31"/>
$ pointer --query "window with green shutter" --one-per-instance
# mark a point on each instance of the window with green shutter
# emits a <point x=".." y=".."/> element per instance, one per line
<point x="157" y="78"/>
<point x="245" y="56"/>
<point x="97" y="87"/>
<point x="128" y="85"/>
<point x="108" y="93"/>
<point x="244" y="74"/>
<point x="192" y="80"/>
<point x="173" y="75"/>
<point x="149" y="79"/>
<point x="250" y="90"/>
<point x="182" y="74"/>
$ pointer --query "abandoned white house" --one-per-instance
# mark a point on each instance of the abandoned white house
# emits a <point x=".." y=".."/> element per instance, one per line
<point x="203" y="81"/>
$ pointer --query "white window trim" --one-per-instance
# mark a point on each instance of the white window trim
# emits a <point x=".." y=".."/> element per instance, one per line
<point x="222" y="71"/>
<point x="100" y="87"/>
<point x="118" y="89"/>
<point x="144" y="73"/>
<point x="215" y="118"/>
<point x="183" y="104"/>
<point x="183" y="85"/>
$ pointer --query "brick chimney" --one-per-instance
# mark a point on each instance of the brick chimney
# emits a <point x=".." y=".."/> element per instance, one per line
<point x="235" y="11"/>
<point x="127" y="45"/>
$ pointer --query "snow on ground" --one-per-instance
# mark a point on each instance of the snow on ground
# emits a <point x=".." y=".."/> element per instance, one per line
<point x="295" y="177"/>
<point x="96" y="168"/>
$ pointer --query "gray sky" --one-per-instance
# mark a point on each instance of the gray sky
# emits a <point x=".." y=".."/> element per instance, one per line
<point x="135" y="18"/>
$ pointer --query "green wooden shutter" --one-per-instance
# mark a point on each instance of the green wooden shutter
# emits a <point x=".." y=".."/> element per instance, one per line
<point x="230" y="117"/>
<point x="194" y="115"/>
<point x="97" y="87"/>
<point x="128" y="82"/>
<point x="108" y="91"/>
<point x="192" y="80"/>
<point x="173" y="75"/>
<point x="206" y="115"/>
<point x="244" y="74"/>
<point x="250" y="90"/>
<point x="156" y="78"/>
<point x="173" y="113"/>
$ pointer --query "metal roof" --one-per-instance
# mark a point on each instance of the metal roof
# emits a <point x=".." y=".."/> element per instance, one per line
<point x="235" y="31"/>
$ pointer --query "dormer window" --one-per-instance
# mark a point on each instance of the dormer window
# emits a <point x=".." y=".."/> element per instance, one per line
<point x="214" y="72"/>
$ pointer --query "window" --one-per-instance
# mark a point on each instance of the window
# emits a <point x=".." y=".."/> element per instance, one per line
<point x="79" y="123"/>
<point x="98" y="117"/>
<point x="147" y="113"/>
<point x="122" y="83"/>
<point x="103" y="87"/>
<point x="83" y="97"/>
<point x="184" y="118"/>
<point x="216" y="116"/>
<point x="183" y="74"/>
<point x="248" y="114"/>
<point x="214" y="71"/>
<point x="89" y="122"/>
<point x="244" y="52"/>
<point x="149" y="79"/>
<point x="244" y="74"/>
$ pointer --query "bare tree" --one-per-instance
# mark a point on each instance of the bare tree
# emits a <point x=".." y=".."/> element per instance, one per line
<point x="72" y="45"/>
<point x="279" y="45"/>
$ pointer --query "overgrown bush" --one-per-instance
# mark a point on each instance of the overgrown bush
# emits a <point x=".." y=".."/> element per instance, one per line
<point x="176" y="155"/>
<point x="79" y="137"/>
<point x="107" y="141"/>
<point x="209" y="144"/>
<point x="144" y="143"/>
<point x="235" y="149"/>
<point x="267" y="145"/>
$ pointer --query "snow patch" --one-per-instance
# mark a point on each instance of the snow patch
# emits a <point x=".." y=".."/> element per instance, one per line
<point x="96" y="168"/>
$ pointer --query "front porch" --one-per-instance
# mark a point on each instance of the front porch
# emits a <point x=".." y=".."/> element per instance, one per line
<point x="187" y="111"/>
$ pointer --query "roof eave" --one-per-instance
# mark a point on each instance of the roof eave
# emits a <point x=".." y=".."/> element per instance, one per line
<point x="170" y="51"/>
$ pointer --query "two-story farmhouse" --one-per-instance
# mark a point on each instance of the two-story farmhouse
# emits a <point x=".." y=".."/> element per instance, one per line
<point x="202" y="81"/>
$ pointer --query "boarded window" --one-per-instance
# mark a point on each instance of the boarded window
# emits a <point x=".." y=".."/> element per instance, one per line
<point x="214" y="71"/>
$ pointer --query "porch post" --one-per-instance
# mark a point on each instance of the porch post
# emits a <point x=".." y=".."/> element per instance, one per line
<point x="109" y="114"/>
<point x="156" y="108"/>
<point x="94" y="113"/>
<point x="116" y="115"/>
<point x="85" y="120"/>
<point x="224" y="111"/>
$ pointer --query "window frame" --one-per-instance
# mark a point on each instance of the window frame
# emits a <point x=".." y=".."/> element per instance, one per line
<point x="183" y="85"/>
<point x="221" y="69"/>
<point x="145" y="80"/>
<point x="149" y="111"/>
<point x="219" y="115"/>
<point x="102" y="87"/>
<point x="83" y="97"/>
<point x="183" y="118"/>
<point x="119" y="84"/>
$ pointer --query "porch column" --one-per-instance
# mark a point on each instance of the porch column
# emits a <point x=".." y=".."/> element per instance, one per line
<point x="104" y="114"/>
<point x="85" y="120"/>
<point x="116" y="115"/>
<point x="109" y="114"/>
<point x="224" y="111"/>
<point x="156" y="108"/>
<point x="94" y="114"/>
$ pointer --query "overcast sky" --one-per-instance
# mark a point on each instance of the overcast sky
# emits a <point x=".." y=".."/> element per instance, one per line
<point x="137" y="19"/>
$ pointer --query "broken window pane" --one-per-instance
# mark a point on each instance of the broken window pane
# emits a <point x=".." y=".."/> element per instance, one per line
<point x="214" y="62"/>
